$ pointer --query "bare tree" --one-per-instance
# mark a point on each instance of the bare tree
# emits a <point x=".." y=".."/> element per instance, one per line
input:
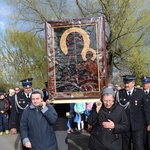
<point x="128" y="22"/>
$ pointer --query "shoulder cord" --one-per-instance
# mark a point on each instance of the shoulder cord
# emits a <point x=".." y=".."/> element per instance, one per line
<point x="17" y="104"/>
<point x="124" y="106"/>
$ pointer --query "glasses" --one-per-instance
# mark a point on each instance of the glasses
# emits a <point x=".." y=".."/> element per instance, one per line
<point x="17" y="90"/>
<point x="107" y="101"/>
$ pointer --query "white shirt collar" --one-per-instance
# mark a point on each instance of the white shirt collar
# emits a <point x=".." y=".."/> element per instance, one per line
<point x="131" y="91"/>
<point x="27" y="94"/>
<point x="146" y="90"/>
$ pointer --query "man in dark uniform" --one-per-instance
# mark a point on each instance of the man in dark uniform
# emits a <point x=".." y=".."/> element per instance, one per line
<point x="45" y="92"/>
<point x="20" y="101"/>
<point x="132" y="99"/>
<point x="146" y="88"/>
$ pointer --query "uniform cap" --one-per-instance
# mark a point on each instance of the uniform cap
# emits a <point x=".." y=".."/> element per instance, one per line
<point x="128" y="78"/>
<point x="108" y="91"/>
<point x="145" y="80"/>
<point x="27" y="82"/>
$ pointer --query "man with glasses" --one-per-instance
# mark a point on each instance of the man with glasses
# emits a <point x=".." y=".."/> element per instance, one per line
<point x="20" y="101"/>
<point x="17" y="90"/>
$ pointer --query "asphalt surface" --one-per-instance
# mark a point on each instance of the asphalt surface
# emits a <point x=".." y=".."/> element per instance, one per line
<point x="10" y="142"/>
<point x="76" y="141"/>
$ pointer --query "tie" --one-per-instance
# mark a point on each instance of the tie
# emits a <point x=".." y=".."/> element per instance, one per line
<point x="129" y="93"/>
<point x="28" y="95"/>
<point x="146" y="92"/>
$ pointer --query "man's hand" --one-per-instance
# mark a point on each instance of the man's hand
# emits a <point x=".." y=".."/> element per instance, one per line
<point x="28" y="145"/>
<point x="108" y="124"/>
<point x="13" y="131"/>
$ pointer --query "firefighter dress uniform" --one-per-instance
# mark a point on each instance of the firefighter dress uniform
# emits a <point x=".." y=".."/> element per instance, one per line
<point x="146" y="88"/>
<point x="20" y="102"/>
<point x="135" y="107"/>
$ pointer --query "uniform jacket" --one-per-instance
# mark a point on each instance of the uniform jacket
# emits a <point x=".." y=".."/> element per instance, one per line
<point x="36" y="127"/>
<point x="45" y="95"/>
<point x="147" y="107"/>
<point x="102" y="138"/>
<point x="19" y="103"/>
<point x="135" y="107"/>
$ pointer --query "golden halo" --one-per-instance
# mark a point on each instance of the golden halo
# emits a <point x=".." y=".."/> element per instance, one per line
<point x="85" y="36"/>
<point x="84" y="54"/>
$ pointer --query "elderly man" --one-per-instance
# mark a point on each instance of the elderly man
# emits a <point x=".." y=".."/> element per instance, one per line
<point x="133" y="101"/>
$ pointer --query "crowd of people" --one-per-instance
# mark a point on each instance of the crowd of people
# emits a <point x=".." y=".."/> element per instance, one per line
<point x="120" y="120"/>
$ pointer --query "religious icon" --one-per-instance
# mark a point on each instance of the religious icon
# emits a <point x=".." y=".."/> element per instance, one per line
<point x="76" y="62"/>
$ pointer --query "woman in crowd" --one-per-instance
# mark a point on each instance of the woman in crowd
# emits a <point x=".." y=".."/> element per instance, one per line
<point x="108" y="122"/>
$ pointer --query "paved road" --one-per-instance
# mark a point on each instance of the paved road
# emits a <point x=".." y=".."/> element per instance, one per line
<point x="78" y="141"/>
<point x="10" y="142"/>
<point x="75" y="141"/>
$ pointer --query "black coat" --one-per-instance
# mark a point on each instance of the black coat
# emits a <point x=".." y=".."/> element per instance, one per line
<point x="19" y="103"/>
<point x="147" y="107"/>
<point x="45" y="98"/>
<point x="102" y="138"/>
<point x="135" y="106"/>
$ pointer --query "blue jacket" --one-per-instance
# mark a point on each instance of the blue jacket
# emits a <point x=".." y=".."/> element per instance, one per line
<point x="36" y="127"/>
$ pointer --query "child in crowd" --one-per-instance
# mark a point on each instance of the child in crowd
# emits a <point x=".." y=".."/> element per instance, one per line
<point x="89" y="106"/>
<point x="4" y="107"/>
<point x="70" y="116"/>
<point x="79" y="109"/>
